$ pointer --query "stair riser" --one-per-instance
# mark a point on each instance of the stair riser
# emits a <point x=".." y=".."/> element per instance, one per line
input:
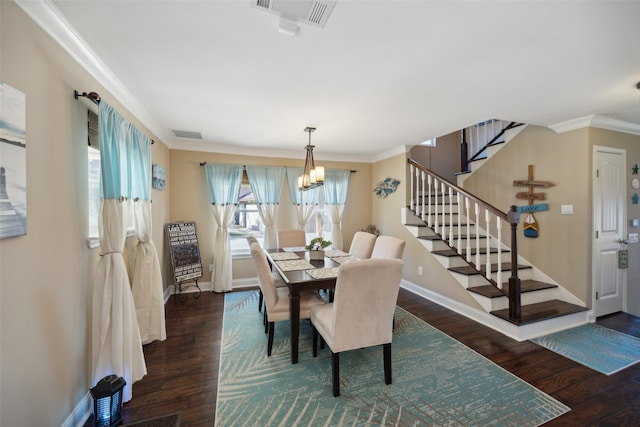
<point x="441" y="209"/>
<point x="434" y="245"/>
<point x="418" y="231"/>
<point x="500" y="303"/>
<point x="469" y="281"/>
<point x="450" y="262"/>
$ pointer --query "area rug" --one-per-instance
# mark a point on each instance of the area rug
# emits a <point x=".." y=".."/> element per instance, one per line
<point x="599" y="348"/>
<point x="172" y="420"/>
<point x="437" y="381"/>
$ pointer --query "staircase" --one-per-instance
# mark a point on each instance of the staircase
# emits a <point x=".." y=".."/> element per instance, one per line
<point x="477" y="245"/>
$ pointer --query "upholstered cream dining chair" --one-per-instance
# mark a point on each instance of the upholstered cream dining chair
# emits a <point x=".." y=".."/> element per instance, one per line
<point x="291" y="238"/>
<point x="277" y="299"/>
<point x="361" y="313"/>
<point x="388" y="247"/>
<point x="278" y="281"/>
<point x="362" y="244"/>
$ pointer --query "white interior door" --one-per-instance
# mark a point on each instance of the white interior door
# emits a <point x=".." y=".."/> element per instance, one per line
<point x="609" y="220"/>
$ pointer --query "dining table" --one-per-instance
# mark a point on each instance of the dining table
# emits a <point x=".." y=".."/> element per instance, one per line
<point x="299" y="272"/>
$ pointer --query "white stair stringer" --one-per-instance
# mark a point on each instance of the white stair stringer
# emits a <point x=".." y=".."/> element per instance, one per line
<point x="431" y="242"/>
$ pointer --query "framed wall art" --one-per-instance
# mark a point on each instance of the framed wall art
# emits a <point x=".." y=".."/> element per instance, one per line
<point x="13" y="162"/>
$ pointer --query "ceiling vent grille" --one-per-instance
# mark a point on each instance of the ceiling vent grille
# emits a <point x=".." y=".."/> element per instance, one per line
<point x="313" y="12"/>
<point x="187" y="134"/>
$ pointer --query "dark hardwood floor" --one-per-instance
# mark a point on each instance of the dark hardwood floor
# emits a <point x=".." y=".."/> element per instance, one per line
<point x="183" y="370"/>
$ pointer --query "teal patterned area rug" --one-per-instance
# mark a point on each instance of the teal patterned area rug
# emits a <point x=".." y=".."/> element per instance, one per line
<point x="437" y="381"/>
<point x="599" y="348"/>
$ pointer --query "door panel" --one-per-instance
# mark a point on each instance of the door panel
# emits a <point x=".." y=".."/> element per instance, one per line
<point x="609" y="217"/>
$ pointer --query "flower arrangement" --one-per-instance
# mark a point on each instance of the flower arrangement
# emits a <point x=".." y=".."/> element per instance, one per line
<point x="317" y="244"/>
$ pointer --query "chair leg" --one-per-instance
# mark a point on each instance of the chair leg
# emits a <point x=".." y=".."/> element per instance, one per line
<point x="386" y="349"/>
<point x="270" y="339"/>
<point x="335" y="372"/>
<point x="264" y="321"/>
<point x="260" y="300"/>
<point x="314" y="340"/>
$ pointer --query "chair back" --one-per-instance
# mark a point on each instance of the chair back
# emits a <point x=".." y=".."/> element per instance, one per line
<point x="265" y="278"/>
<point x="252" y="239"/>
<point x="362" y="244"/>
<point x="364" y="303"/>
<point x="291" y="238"/>
<point x="388" y="247"/>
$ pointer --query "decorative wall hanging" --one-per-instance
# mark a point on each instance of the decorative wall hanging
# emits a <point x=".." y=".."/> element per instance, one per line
<point x="386" y="187"/>
<point x="634" y="169"/>
<point x="13" y="162"/>
<point x="530" y="225"/>
<point x="634" y="199"/>
<point x="157" y="177"/>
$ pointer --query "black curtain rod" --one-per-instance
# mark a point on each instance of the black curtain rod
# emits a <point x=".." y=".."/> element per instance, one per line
<point x="93" y="97"/>
<point x="244" y="166"/>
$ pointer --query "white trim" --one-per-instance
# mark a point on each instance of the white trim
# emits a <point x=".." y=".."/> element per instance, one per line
<point x="53" y="22"/>
<point x="597" y="122"/>
<point x="80" y="414"/>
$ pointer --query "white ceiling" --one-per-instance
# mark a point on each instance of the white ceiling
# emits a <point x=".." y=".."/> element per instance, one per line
<point x="380" y="75"/>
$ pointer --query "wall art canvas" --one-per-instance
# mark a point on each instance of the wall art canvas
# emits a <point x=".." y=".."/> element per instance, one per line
<point x="13" y="162"/>
<point x="157" y="177"/>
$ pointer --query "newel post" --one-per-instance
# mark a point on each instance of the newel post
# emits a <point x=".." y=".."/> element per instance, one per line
<point x="514" y="281"/>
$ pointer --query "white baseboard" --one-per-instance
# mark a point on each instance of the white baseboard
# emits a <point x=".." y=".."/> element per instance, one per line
<point x="80" y="414"/>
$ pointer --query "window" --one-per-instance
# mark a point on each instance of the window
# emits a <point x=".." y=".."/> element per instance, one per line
<point x="93" y="168"/>
<point x="246" y="220"/>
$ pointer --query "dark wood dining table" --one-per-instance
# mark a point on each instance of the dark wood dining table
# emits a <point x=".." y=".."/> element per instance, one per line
<point x="299" y="280"/>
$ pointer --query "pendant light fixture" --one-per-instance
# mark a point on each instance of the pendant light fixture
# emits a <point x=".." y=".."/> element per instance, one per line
<point x="312" y="176"/>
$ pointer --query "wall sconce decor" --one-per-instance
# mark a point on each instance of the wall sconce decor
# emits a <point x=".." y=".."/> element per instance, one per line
<point x="386" y="187"/>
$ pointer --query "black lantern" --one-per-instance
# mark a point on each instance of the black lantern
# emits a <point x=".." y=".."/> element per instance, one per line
<point x="107" y="401"/>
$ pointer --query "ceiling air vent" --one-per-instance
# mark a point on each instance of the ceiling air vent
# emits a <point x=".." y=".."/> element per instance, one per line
<point x="187" y="134"/>
<point x="313" y="12"/>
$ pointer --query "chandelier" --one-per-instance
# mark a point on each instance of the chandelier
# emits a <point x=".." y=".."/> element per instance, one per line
<point x="312" y="176"/>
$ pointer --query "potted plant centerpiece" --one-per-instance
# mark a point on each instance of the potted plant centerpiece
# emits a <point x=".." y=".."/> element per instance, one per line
<point x="316" y="248"/>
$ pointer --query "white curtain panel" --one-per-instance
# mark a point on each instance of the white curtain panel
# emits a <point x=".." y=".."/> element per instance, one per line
<point x="222" y="280"/>
<point x="116" y="342"/>
<point x="266" y="185"/>
<point x="223" y="185"/>
<point x="146" y="279"/>
<point x="305" y="202"/>
<point x="336" y="186"/>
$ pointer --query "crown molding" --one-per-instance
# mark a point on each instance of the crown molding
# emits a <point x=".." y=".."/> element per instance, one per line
<point x="46" y="15"/>
<point x="596" y="121"/>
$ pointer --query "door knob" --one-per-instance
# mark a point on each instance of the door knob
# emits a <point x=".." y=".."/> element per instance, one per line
<point x="623" y="241"/>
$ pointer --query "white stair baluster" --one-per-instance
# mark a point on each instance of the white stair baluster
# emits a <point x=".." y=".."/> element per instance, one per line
<point x="444" y="214"/>
<point x="459" y="210"/>
<point x="411" y="169"/>
<point x="487" y="221"/>
<point x="429" y="186"/>
<point x="436" y="226"/>
<point x="477" y="237"/>
<point x="466" y="207"/>
<point x="499" y="245"/>
<point x="424" y="195"/>
<point x="451" y="227"/>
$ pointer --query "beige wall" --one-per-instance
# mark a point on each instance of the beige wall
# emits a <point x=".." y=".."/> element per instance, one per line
<point x="46" y="276"/>
<point x="193" y="205"/>
<point x="443" y="159"/>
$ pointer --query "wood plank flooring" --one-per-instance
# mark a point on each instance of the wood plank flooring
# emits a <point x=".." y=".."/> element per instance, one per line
<point x="183" y="370"/>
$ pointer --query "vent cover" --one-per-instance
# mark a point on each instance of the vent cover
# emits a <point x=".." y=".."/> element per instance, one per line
<point x="313" y="12"/>
<point x="187" y="134"/>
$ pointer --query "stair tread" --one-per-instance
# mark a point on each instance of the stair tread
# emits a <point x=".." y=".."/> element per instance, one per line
<point x="538" y="312"/>
<point x="469" y="270"/>
<point x="446" y="253"/>
<point x="432" y="238"/>
<point x="490" y="291"/>
<point x="484" y="251"/>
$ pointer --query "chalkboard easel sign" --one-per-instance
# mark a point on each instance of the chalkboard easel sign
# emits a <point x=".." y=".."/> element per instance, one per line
<point x="185" y="256"/>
